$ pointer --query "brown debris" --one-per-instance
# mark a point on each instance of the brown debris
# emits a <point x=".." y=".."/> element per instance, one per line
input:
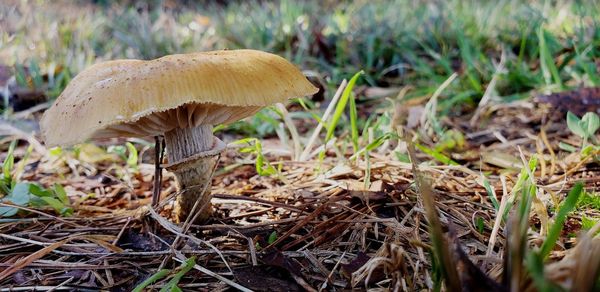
<point x="305" y="230"/>
<point x="578" y="101"/>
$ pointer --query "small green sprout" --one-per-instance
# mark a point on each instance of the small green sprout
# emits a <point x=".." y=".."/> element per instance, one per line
<point x="585" y="127"/>
<point x="263" y="167"/>
<point x="27" y="194"/>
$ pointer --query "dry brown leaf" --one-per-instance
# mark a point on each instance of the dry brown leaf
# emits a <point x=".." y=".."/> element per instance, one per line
<point x="23" y="262"/>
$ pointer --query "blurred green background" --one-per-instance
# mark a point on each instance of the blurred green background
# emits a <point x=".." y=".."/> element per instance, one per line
<point x="547" y="45"/>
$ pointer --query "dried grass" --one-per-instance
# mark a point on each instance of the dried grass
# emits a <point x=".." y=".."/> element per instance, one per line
<point x="331" y="232"/>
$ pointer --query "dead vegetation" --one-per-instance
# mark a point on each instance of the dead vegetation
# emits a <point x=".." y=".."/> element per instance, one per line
<point x="444" y="168"/>
<point x="313" y="226"/>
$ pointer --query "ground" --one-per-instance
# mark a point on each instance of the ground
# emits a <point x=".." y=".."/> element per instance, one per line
<point x="452" y="164"/>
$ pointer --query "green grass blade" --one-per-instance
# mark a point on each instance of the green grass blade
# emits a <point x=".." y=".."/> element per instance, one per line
<point x="21" y="75"/>
<point x="549" y="69"/>
<point x="186" y="267"/>
<point x="341" y="105"/>
<point x="61" y="194"/>
<point x="436" y="155"/>
<point x="36" y="74"/>
<point x="490" y="192"/>
<point x="155" y="277"/>
<point x="353" y="122"/>
<point x="440" y="246"/>
<point x="132" y="158"/>
<point x="375" y="144"/>
<point x="517" y="227"/>
<point x="56" y="204"/>
<point x="569" y="205"/>
<point x="9" y="162"/>
<point x="535" y="265"/>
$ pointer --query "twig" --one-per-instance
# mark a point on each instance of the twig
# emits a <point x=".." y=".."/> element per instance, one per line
<point x="47" y="288"/>
<point x="252" y="249"/>
<point x="158" y="156"/>
<point x="39" y="213"/>
<point x="544" y="138"/>
<point x="177" y="231"/>
<point x="24" y="261"/>
<point x="36" y="108"/>
<point x="499" y="216"/>
<point x="250" y="226"/>
<point x="258" y="200"/>
<point x="121" y="231"/>
<point x="337" y="264"/>
<point x="181" y="258"/>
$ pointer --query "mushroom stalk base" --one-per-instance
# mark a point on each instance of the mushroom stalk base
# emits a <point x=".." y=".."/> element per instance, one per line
<point x="193" y="154"/>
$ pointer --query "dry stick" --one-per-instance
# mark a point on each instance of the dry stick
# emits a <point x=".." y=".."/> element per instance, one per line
<point x="260" y="201"/>
<point x="188" y="222"/>
<point x="312" y="259"/>
<point x="55" y="265"/>
<point x="318" y="238"/>
<point x="328" y="111"/>
<point x="145" y="253"/>
<point x="252" y="248"/>
<point x="46" y="288"/>
<point x="329" y="277"/>
<point x="121" y="231"/>
<point x="293" y="130"/>
<point x="249" y="214"/>
<point x="100" y="279"/>
<point x="26" y="113"/>
<point x="24" y="261"/>
<point x="550" y="150"/>
<point x="109" y="276"/>
<point x="176" y="230"/>
<point x="425" y="191"/>
<point x="39" y="213"/>
<point x="158" y="154"/>
<point x="250" y="226"/>
<point x="499" y="216"/>
<point x="181" y="258"/>
<point x="572" y="170"/>
<point x="299" y="225"/>
<point x="540" y="153"/>
<point x="63" y="284"/>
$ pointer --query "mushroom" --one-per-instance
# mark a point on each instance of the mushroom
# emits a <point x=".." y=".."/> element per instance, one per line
<point x="179" y="97"/>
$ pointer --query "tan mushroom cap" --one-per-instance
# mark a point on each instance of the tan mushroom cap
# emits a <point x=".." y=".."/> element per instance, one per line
<point x="135" y="98"/>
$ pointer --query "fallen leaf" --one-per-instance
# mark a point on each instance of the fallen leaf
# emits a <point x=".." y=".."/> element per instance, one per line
<point x="23" y="262"/>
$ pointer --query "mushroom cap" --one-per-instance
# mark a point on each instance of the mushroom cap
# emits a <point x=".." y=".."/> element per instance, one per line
<point x="135" y="98"/>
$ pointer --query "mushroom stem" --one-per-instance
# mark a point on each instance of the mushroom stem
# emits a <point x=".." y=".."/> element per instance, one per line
<point x="186" y="142"/>
<point x="193" y="154"/>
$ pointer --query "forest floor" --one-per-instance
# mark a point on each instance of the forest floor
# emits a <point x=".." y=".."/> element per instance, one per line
<point x="452" y="166"/>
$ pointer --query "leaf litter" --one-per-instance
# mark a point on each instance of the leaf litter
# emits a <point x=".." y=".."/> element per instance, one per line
<point x="311" y="225"/>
